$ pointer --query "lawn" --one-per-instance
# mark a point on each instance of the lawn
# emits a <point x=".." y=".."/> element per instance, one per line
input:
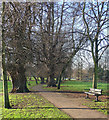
<point x="29" y="84"/>
<point x="78" y="86"/>
<point x="29" y="105"/>
<point x="32" y="105"/>
<point x="100" y="106"/>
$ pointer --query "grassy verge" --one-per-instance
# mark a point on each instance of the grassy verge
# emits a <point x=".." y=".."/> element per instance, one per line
<point x="100" y="106"/>
<point x="29" y="105"/>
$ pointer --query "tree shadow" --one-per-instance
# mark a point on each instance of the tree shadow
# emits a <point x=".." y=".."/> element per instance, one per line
<point x="60" y="108"/>
<point x="55" y="91"/>
<point x="80" y="108"/>
<point x="35" y="108"/>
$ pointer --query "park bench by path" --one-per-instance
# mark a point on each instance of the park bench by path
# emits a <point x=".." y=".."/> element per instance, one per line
<point x="71" y="105"/>
<point x="95" y="92"/>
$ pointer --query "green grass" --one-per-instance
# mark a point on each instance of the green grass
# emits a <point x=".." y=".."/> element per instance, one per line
<point x="78" y="86"/>
<point x="29" y="105"/>
<point x="100" y="106"/>
<point x="29" y="84"/>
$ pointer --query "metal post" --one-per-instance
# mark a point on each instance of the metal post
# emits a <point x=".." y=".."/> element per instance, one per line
<point x="96" y="98"/>
<point x="87" y="96"/>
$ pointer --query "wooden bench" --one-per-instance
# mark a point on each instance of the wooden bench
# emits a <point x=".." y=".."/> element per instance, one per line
<point x="95" y="92"/>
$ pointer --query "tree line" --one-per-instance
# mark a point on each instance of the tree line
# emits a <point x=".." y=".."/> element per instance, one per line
<point x="42" y="38"/>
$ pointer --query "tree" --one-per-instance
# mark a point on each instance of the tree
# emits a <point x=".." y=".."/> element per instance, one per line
<point x="50" y="39"/>
<point x="80" y="67"/>
<point x="18" y="45"/>
<point x="78" y="39"/>
<point x="54" y="39"/>
<point x="104" y="66"/>
<point x="95" y="20"/>
<point x="6" y="97"/>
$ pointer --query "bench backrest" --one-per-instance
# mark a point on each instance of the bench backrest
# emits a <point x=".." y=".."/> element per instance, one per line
<point x="96" y="91"/>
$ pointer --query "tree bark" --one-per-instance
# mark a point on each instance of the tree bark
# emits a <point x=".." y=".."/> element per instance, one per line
<point x="6" y="97"/>
<point x="56" y="80"/>
<point x="51" y="81"/>
<point x="15" y="81"/>
<point x="22" y="80"/>
<point x="95" y="77"/>
<point x="59" y="83"/>
<point x="42" y="80"/>
<point x="18" y="79"/>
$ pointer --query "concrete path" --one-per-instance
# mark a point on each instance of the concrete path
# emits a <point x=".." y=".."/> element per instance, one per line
<point x="71" y="106"/>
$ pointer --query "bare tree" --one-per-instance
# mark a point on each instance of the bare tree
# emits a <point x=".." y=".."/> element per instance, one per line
<point x="95" y="20"/>
<point x="18" y="45"/>
<point x="49" y="43"/>
<point x="56" y="43"/>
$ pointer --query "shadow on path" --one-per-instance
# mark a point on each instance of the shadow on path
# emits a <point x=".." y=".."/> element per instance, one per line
<point x="35" y="108"/>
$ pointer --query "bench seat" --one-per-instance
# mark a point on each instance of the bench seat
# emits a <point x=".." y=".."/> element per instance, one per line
<point x="95" y="92"/>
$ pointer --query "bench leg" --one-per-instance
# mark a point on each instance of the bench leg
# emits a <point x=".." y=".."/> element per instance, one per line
<point x="87" y="96"/>
<point x="96" y="98"/>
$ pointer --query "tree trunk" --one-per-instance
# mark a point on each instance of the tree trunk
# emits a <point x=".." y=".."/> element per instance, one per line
<point x="96" y="64"/>
<point x="18" y="79"/>
<point x="59" y="83"/>
<point x="51" y="81"/>
<point x="22" y="80"/>
<point x="56" y="80"/>
<point x="6" y="97"/>
<point x="8" y="78"/>
<point x="95" y="77"/>
<point x="15" y="81"/>
<point x="42" y="80"/>
<point x="47" y="80"/>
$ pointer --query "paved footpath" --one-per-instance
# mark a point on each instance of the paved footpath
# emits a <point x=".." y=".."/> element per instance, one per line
<point x="71" y="106"/>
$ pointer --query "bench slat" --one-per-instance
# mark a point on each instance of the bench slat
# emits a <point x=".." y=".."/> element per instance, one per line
<point x="92" y="89"/>
<point x="96" y="92"/>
